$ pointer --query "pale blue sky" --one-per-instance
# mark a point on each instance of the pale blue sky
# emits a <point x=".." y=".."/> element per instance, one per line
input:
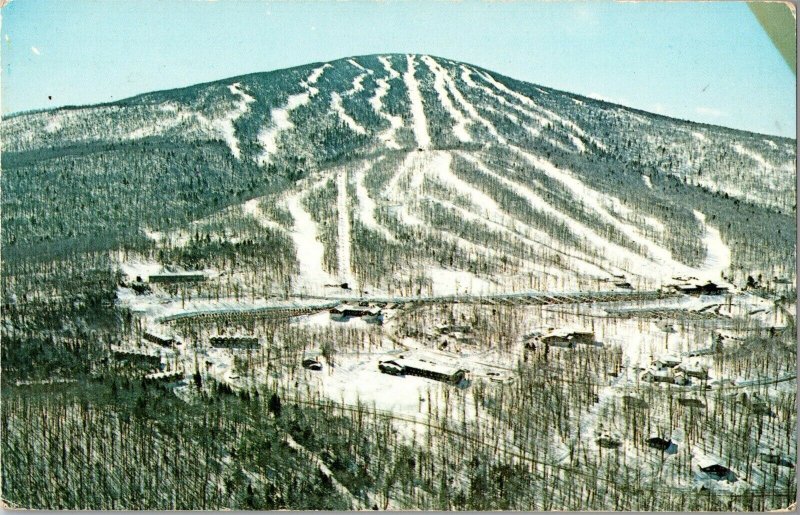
<point x="704" y="61"/>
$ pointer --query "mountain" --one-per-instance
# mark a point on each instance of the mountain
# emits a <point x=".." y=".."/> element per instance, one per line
<point x="399" y="173"/>
<point x="394" y="282"/>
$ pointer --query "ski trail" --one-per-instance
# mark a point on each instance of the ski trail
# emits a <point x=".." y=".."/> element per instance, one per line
<point x="573" y="263"/>
<point x="495" y="214"/>
<point x="345" y="268"/>
<point x="395" y="122"/>
<point x="268" y="137"/>
<point x="419" y="122"/>
<point x="413" y="166"/>
<point x="718" y="254"/>
<point x="355" y="503"/>
<point x="466" y="76"/>
<point x="252" y="208"/>
<point x="225" y="126"/>
<point x="465" y="104"/>
<point x="627" y="258"/>
<point x="312" y="276"/>
<point x="386" y="61"/>
<point x="366" y="206"/>
<point x="440" y="86"/>
<point x="594" y="200"/>
<point x="753" y="155"/>
<point x="533" y="105"/>
<point x="355" y="63"/>
<point x="439" y="169"/>
<point x="579" y="133"/>
<point x="647" y="181"/>
<point x="338" y="108"/>
<point x="358" y="85"/>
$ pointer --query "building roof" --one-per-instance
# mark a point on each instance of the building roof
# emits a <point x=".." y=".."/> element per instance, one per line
<point x="372" y="310"/>
<point x="425" y="363"/>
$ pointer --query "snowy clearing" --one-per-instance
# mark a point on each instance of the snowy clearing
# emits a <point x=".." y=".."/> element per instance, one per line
<point x="253" y="208"/>
<point x="718" y="254"/>
<point x="309" y="249"/>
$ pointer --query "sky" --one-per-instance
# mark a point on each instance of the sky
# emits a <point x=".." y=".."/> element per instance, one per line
<point x="704" y="61"/>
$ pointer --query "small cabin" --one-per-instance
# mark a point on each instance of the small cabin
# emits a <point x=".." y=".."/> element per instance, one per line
<point x="659" y="442"/>
<point x="235" y="342"/>
<point x="714" y="469"/>
<point x="608" y="441"/>
<point x="452" y="328"/>
<point x="567" y="338"/>
<point x="667" y="361"/>
<point x="160" y="339"/>
<point x="775" y="458"/>
<point x="655" y="375"/>
<point x="695" y="370"/>
<point x="172" y="278"/>
<point x="312" y="364"/>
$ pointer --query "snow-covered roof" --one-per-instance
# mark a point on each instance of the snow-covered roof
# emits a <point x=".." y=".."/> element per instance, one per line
<point x="706" y="461"/>
<point x="567" y="331"/>
<point x="428" y="364"/>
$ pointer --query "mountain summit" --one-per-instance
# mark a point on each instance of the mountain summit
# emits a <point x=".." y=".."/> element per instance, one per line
<point x="399" y="173"/>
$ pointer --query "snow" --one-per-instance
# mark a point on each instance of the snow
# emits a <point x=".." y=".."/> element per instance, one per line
<point x="386" y="61"/>
<point x="614" y="252"/>
<point x="395" y="122"/>
<point x="718" y="254"/>
<point x="419" y="122"/>
<point x="468" y="107"/>
<point x="699" y="136"/>
<point x="755" y="156"/>
<point x="530" y="103"/>
<point x="268" y="137"/>
<point x="466" y="76"/>
<point x="317" y="73"/>
<point x="439" y="85"/>
<point x="343" y="253"/>
<point x="577" y="142"/>
<point x="336" y="105"/>
<point x="225" y="125"/>
<point x="595" y="200"/>
<point x="439" y="168"/>
<point x="448" y="282"/>
<point x="310" y="250"/>
<point x="252" y="208"/>
<point x="355" y="63"/>
<point x="143" y="269"/>
<point x="366" y="205"/>
<point x="647" y="182"/>
<point x="358" y="85"/>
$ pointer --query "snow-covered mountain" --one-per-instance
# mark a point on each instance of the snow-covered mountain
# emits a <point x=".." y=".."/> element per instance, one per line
<point x="400" y="173"/>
